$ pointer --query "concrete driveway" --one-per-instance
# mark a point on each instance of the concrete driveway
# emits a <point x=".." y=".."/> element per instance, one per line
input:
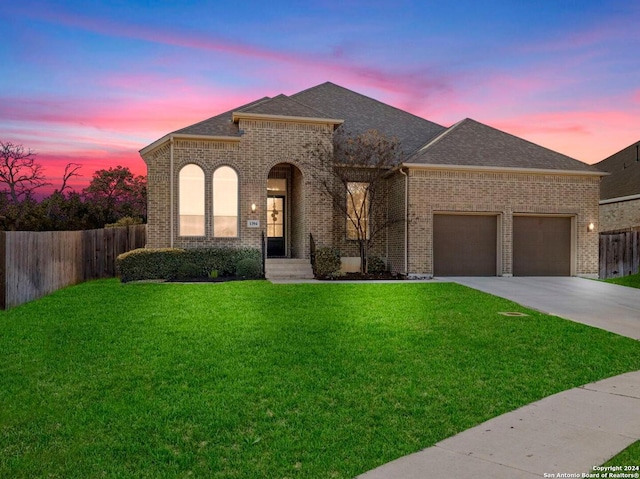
<point x="602" y="305"/>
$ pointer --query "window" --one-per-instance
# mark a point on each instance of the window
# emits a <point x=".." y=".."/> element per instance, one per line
<point x="357" y="209"/>
<point x="225" y="203"/>
<point x="191" y="186"/>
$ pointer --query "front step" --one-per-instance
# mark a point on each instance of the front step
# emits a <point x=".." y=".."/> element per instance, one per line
<point x="287" y="268"/>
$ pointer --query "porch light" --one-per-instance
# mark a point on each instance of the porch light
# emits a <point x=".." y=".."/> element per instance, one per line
<point x="591" y="227"/>
<point x="253" y="207"/>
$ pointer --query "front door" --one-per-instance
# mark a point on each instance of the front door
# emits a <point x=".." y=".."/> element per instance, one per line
<point x="275" y="227"/>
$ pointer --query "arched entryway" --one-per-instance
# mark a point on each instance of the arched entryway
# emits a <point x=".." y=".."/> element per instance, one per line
<point x="285" y="230"/>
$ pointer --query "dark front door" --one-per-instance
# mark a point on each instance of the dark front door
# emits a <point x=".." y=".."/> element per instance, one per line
<point x="275" y="227"/>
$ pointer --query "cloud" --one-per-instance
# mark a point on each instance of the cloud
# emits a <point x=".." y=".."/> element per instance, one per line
<point x="414" y="82"/>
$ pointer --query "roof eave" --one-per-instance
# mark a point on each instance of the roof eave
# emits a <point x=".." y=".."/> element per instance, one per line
<point x="620" y="199"/>
<point x="186" y="136"/>
<point x="500" y="169"/>
<point x="237" y="115"/>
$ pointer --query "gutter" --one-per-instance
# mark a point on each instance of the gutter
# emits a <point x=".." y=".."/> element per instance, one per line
<point x="620" y="199"/>
<point x="498" y="169"/>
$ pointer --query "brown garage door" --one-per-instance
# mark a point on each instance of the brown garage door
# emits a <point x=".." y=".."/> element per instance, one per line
<point x="541" y="246"/>
<point x="464" y="245"/>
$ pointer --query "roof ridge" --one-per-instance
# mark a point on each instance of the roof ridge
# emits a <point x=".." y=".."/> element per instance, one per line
<point x="307" y="106"/>
<point x="522" y="139"/>
<point x="253" y="103"/>
<point x="437" y="138"/>
<point x="368" y="98"/>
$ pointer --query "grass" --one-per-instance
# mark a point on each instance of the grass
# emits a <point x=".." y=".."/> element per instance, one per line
<point x="632" y="280"/>
<point x="252" y="380"/>
<point x="629" y="457"/>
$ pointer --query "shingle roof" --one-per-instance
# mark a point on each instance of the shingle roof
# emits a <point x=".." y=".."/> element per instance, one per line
<point x="219" y="125"/>
<point x="285" y="106"/>
<point x="471" y="143"/>
<point x="362" y="113"/>
<point x="624" y="179"/>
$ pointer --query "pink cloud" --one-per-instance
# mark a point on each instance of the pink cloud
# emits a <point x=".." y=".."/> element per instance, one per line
<point x="410" y="82"/>
<point x="589" y="136"/>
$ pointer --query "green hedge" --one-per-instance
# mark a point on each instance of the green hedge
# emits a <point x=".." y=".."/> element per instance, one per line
<point x="327" y="262"/>
<point x="177" y="263"/>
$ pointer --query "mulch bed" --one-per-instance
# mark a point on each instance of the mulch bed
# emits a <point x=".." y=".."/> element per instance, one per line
<point x="367" y="277"/>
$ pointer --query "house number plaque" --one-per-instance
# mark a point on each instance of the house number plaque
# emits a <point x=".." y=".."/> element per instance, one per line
<point x="253" y="223"/>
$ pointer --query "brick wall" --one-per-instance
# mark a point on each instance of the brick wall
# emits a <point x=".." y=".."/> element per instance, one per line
<point x="504" y="194"/>
<point x="263" y="145"/>
<point x="396" y="231"/>
<point x="266" y="144"/>
<point x="623" y="215"/>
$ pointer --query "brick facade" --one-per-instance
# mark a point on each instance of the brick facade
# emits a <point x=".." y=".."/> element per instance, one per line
<point x="620" y="216"/>
<point x="262" y="146"/>
<point x="278" y="148"/>
<point x="504" y="194"/>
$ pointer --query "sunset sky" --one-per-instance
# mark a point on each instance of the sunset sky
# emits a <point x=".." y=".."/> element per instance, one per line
<point x="94" y="82"/>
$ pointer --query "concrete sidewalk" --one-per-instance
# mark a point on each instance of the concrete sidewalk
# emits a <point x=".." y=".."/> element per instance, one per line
<point x="569" y="432"/>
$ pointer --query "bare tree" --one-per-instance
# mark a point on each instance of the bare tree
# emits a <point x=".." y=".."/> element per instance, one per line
<point x="352" y="172"/>
<point x="19" y="172"/>
<point x="70" y="170"/>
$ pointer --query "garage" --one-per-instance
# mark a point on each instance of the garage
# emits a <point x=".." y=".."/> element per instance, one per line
<point x="541" y="246"/>
<point x="465" y="245"/>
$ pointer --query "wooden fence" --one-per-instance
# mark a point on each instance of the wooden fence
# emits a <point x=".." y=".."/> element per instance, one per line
<point x="619" y="254"/>
<point x="34" y="264"/>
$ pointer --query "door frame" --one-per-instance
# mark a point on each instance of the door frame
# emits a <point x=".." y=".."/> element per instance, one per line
<point x="284" y="226"/>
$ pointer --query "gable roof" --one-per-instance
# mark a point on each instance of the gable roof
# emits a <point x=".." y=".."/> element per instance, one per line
<point x="471" y="143"/>
<point x="361" y="113"/>
<point x="624" y="179"/>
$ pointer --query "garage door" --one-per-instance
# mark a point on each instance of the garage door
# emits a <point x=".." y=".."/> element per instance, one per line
<point x="541" y="246"/>
<point x="464" y="245"/>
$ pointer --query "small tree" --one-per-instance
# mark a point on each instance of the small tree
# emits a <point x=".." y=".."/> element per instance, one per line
<point x="115" y="193"/>
<point x="352" y="172"/>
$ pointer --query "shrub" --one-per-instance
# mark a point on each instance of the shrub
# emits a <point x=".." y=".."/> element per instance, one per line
<point x="224" y="260"/>
<point x="249" y="268"/>
<point x="149" y="263"/>
<point x="189" y="270"/>
<point x="172" y="263"/>
<point x="375" y="264"/>
<point x="327" y="262"/>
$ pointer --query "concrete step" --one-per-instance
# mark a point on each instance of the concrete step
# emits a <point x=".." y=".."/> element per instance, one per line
<point x="286" y="268"/>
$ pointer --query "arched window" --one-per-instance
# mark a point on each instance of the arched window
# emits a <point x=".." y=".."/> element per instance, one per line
<point x="225" y="202"/>
<point x="191" y="187"/>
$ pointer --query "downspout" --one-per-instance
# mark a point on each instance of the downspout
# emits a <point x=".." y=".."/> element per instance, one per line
<point x="171" y="207"/>
<point x="406" y="221"/>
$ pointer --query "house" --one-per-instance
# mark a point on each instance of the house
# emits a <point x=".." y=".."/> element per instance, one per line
<point x="620" y="190"/>
<point x="469" y="199"/>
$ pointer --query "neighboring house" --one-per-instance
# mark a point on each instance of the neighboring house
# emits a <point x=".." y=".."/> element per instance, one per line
<point x="620" y="191"/>
<point x="470" y="199"/>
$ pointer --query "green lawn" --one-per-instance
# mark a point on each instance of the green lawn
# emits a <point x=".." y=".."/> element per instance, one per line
<point x="254" y="380"/>
<point x="629" y="457"/>
<point x="632" y="280"/>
